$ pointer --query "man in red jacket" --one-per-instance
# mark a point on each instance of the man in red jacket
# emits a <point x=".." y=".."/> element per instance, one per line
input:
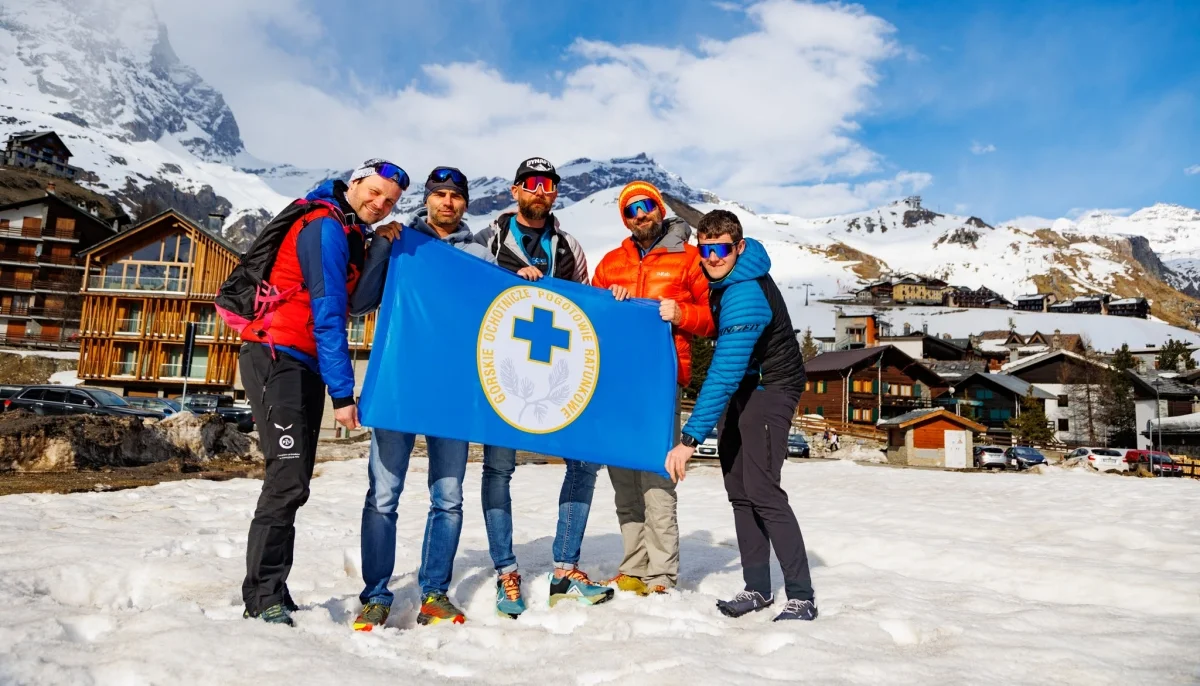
<point x="656" y="262"/>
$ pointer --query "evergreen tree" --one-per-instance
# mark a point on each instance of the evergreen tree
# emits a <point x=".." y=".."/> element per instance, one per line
<point x="1116" y="400"/>
<point x="808" y="347"/>
<point x="1173" y="355"/>
<point x="702" y="352"/>
<point x="1031" y="426"/>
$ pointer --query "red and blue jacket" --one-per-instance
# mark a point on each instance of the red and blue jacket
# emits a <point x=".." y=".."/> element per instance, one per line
<point x="325" y="259"/>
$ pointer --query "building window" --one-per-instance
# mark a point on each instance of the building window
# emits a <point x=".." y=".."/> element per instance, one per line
<point x="206" y="321"/>
<point x="899" y="389"/>
<point x="1064" y="425"/>
<point x="984" y="394"/>
<point x="358" y="330"/>
<point x="822" y="386"/>
<point x="172" y="366"/>
<point x="1063" y="401"/>
<point x="199" y="369"/>
<point x="125" y="362"/>
<point x="807" y="387"/>
<point x="129" y="317"/>
<point x="820" y="410"/>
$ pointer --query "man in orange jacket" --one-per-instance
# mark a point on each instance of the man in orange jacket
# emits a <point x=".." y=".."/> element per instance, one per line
<point x="656" y="262"/>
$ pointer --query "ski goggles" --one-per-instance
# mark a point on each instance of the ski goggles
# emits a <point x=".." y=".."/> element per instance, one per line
<point x="721" y="250"/>
<point x="646" y="205"/>
<point x="444" y="174"/>
<point x="383" y="168"/>
<point x="532" y="183"/>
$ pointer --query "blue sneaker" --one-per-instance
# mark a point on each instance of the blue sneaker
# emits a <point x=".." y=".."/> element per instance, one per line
<point x="744" y="602"/>
<point x="509" y="602"/>
<point x="276" y="614"/>
<point x="577" y="586"/>
<point x="805" y="610"/>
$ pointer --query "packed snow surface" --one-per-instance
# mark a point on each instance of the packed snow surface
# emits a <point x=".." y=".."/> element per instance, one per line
<point x="923" y="577"/>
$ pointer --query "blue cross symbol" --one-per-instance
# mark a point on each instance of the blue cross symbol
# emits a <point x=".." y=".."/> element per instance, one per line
<point x="542" y="335"/>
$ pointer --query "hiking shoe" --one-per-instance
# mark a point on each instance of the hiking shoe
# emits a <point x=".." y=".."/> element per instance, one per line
<point x="630" y="584"/>
<point x="743" y="603"/>
<point x="438" y="608"/>
<point x="276" y="614"/>
<point x="577" y="586"/>
<point x="372" y="615"/>
<point x="798" y="609"/>
<point x="509" y="601"/>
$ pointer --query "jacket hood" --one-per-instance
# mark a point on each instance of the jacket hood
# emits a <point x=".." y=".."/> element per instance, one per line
<point x="751" y="264"/>
<point x="676" y="233"/>
<point x="420" y="222"/>
<point x="335" y="192"/>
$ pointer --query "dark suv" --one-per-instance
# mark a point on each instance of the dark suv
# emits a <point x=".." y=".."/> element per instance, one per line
<point x="215" y="403"/>
<point x="60" y="400"/>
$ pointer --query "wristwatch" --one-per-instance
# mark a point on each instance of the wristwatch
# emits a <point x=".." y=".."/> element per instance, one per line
<point x="688" y="441"/>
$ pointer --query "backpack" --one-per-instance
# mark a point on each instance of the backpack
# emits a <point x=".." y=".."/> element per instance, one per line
<point x="247" y="300"/>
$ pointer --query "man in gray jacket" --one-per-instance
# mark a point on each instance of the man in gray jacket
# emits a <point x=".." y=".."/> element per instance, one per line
<point x="446" y="198"/>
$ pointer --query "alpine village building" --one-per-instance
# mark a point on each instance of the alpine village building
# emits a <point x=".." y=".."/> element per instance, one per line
<point x="866" y="385"/>
<point x="40" y="270"/>
<point x="143" y="286"/>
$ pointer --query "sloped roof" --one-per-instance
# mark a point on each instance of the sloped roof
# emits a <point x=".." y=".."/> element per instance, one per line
<point x="1049" y="354"/>
<point x="1145" y="386"/>
<point x="840" y="359"/>
<point x="926" y="414"/>
<point x="1014" y="385"/>
<point x="222" y="241"/>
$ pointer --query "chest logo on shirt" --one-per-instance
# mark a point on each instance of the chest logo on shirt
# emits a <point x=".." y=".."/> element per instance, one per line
<point x="538" y="359"/>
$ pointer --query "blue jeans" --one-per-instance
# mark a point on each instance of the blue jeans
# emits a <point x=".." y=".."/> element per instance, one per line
<point x="386" y="469"/>
<point x="574" y="503"/>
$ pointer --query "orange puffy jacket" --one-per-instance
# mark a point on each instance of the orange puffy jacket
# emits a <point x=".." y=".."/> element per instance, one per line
<point x="670" y="271"/>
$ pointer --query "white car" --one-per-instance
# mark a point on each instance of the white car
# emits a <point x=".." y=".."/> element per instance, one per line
<point x="709" y="447"/>
<point x="1100" y="459"/>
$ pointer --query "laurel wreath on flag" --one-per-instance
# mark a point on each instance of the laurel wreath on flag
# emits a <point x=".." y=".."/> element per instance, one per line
<point x="523" y="388"/>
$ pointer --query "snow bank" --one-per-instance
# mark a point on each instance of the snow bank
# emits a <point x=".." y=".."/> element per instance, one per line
<point x="923" y="577"/>
<point x="859" y="452"/>
<point x="68" y="377"/>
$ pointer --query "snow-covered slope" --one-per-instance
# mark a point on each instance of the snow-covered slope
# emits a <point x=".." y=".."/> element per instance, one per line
<point x="103" y="75"/>
<point x="1059" y="577"/>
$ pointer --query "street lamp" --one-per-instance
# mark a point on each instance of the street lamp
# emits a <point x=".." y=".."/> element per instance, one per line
<point x="1157" y="414"/>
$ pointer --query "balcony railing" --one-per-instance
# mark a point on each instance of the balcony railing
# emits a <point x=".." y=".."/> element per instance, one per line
<point x="55" y="312"/>
<point x="58" y="285"/>
<point x="31" y="232"/>
<point x="11" y="282"/>
<point x="61" y="234"/>
<point x="15" y="310"/>
<point x="156" y="284"/>
<point x="128" y="326"/>
<point x="123" y="367"/>
<point x="60" y="260"/>
<point x="23" y="258"/>
<point x="63" y="340"/>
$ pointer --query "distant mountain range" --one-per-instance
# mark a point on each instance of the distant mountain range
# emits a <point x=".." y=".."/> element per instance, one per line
<point x="153" y="134"/>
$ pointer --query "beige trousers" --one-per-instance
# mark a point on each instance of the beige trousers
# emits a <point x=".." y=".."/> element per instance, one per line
<point x="646" y="511"/>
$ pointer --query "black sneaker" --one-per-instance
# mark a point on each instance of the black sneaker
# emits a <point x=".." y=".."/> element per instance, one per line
<point x="805" y="610"/>
<point x="744" y="602"/>
<point x="276" y="614"/>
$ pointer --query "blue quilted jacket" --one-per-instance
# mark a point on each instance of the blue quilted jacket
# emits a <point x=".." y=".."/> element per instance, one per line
<point x="744" y="317"/>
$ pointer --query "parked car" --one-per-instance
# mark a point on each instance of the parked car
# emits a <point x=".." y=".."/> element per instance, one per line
<point x="1160" y="463"/>
<point x="1101" y="459"/>
<point x="165" y="405"/>
<point x="989" y="457"/>
<point x="1023" y="457"/>
<point x="215" y="403"/>
<point x="60" y="400"/>
<point x="709" y="447"/>
<point x="797" y="446"/>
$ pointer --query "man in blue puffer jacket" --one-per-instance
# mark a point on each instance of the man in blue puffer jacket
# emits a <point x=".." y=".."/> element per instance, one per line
<point x="755" y="379"/>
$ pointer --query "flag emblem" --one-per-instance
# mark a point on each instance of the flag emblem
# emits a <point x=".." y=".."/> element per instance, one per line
<point x="538" y="359"/>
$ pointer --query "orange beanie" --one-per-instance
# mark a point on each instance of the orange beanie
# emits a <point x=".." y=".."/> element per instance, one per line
<point x="636" y="188"/>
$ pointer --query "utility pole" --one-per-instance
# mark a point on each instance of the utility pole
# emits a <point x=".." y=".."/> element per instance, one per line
<point x="806" y="287"/>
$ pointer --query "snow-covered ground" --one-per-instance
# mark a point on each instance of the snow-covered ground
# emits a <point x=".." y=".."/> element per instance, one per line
<point x="922" y="577"/>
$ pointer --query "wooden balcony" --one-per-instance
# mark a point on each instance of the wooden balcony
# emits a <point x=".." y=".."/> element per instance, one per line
<point x="11" y="282"/>
<point x="57" y="285"/>
<point x="59" y="341"/>
<point x="151" y="285"/>
<point x="26" y="232"/>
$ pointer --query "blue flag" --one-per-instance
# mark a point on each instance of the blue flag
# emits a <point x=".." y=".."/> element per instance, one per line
<point x="465" y="349"/>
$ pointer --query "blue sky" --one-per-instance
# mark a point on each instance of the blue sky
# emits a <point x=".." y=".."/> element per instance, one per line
<point x="994" y="109"/>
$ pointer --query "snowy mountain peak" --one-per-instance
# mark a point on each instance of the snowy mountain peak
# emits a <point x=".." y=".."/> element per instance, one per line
<point x="107" y="65"/>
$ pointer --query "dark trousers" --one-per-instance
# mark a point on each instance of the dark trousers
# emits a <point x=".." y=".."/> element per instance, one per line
<point x="753" y="447"/>
<point x="288" y="399"/>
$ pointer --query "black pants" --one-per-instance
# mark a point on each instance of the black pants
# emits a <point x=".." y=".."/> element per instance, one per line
<point x="753" y="447"/>
<point x="288" y="399"/>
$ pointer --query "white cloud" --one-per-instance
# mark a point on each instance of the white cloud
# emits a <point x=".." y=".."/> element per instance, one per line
<point x="1192" y="170"/>
<point x="781" y="137"/>
<point x="1077" y="213"/>
<point x="978" y="148"/>
<point x="1029" y="222"/>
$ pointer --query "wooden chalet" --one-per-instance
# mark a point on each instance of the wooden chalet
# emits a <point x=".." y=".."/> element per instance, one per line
<point x="1130" y="307"/>
<point x="868" y="384"/>
<point x="1035" y="302"/>
<point x="40" y="150"/>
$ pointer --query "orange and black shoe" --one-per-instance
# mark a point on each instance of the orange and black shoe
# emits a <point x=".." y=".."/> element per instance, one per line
<point x="509" y="601"/>
<point x="438" y="608"/>
<point x="372" y="615"/>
